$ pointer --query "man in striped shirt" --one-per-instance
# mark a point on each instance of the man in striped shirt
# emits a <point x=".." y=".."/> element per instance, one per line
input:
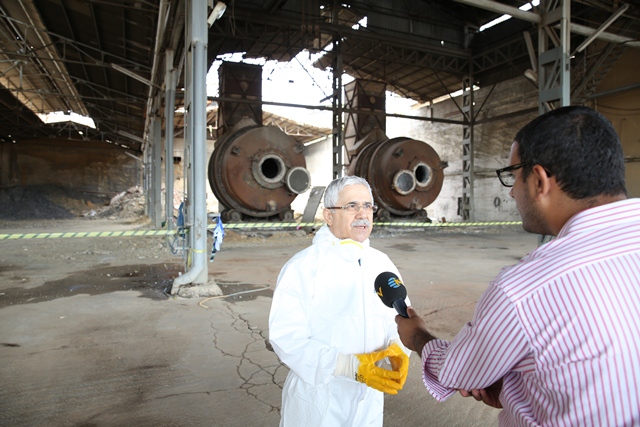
<point x="555" y="339"/>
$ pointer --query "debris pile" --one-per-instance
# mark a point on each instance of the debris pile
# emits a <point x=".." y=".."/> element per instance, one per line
<point x="54" y="202"/>
<point x="125" y="205"/>
<point x="43" y="202"/>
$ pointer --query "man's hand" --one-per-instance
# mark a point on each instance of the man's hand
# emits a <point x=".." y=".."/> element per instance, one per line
<point x="399" y="361"/>
<point x="381" y="379"/>
<point x="489" y="396"/>
<point x="413" y="331"/>
<point x="363" y="368"/>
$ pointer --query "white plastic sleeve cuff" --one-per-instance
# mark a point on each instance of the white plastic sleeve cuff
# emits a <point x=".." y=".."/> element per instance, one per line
<point x="346" y="365"/>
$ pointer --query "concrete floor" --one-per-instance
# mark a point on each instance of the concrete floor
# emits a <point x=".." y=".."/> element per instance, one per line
<point x="89" y="338"/>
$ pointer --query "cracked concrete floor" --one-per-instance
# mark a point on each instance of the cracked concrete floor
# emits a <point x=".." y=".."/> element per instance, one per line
<point x="89" y="338"/>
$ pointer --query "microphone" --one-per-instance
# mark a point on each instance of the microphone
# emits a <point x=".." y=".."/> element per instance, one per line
<point x="392" y="292"/>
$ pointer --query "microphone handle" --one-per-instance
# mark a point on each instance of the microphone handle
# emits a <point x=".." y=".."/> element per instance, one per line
<point x="401" y="307"/>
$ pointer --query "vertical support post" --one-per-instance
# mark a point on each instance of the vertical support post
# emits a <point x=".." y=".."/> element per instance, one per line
<point x="338" y="134"/>
<point x="146" y="170"/>
<point x="466" y="208"/>
<point x="187" y="173"/>
<point x="156" y="171"/>
<point x="554" y="73"/>
<point x="200" y="41"/>
<point x="196" y="103"/>
<point x="169" y="108"/>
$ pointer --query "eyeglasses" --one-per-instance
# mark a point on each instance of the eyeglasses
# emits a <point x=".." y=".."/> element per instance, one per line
<point x="354" y="207"/>
<point x="506" y="176"/>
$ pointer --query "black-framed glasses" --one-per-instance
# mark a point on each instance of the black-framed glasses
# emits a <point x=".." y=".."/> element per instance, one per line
<point x="506" y="176"/>
<point x="354" y="207"/>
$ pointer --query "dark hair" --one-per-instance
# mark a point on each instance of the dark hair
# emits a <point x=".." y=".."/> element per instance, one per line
<point x="579" y="147"/>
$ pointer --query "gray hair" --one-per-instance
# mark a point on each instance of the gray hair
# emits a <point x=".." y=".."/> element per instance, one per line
<point x="332" y="193"/>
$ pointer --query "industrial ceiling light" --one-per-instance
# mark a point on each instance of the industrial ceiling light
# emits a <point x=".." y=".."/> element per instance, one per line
<point x="216" y="13"/>
<point x="525" y="7"/>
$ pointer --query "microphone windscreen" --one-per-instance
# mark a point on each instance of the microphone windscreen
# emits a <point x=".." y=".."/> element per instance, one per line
<point x="389" y="288"/>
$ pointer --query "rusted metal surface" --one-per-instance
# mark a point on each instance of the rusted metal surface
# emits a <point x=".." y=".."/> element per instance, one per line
<point x="367" y="97"/>
<point x="257" y="171"/>
<point x="405" y="175"/>
<point x="242" y="82"/>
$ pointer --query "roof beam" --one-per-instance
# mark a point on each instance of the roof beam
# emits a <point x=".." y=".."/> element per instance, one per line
<point x="494" y="6"/>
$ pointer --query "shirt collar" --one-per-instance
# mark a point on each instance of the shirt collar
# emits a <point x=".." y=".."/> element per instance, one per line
<point x="602" y="216"/>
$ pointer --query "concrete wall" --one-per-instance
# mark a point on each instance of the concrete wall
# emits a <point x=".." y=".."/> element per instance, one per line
<point x="620" y="103"/>
<point x="492" y="142"/>
<point x="179" y="185"/>
<point x="319" y="159"/>
<point x="622" y="108"/>
<point x="86" y="166"/>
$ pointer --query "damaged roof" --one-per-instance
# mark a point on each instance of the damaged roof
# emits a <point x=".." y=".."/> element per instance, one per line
<point x="106" y="59"/>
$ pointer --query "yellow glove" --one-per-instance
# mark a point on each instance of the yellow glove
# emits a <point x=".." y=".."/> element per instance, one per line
<point x="399" y="361"/>
<point x="375" y="377"/>
<point x="362" y="368"/>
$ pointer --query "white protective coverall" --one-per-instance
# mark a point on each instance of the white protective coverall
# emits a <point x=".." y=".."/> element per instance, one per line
<point x="324" y="304"/>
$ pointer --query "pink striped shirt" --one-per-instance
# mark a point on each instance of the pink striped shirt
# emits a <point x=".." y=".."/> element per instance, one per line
<point x="562" y="328"/>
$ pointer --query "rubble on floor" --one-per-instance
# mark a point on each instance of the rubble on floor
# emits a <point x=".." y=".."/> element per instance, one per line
<point x="54" y="202"/>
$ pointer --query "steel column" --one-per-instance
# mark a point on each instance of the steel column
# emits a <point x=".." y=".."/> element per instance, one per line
<point x="156" y="170"/>
<point x="196" y="145"/>
<point x="169" y="108"/>
<point x="466" y="208"/>
<point x="554" y="83"/>
<point x="338" y="134"/>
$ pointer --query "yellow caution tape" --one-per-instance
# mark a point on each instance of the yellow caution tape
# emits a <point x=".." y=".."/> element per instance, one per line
<point x="245" y="225"/>
<point x="446" y="224"/>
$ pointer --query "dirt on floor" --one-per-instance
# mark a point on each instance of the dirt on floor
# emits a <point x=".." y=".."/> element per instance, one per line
<point x="90" y="336"/>
<point x="94" y="266"/>
<point x="55" y="202"/>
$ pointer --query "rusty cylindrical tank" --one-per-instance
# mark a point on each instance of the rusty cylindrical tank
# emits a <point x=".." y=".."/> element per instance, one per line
<point x="405" y="175"/>
<point x="257" y="171"/>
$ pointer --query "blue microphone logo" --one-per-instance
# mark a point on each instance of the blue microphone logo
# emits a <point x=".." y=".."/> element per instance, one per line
<point x="394" y="282"/>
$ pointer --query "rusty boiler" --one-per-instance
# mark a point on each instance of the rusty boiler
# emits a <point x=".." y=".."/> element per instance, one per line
<point x="255" y="171"/>
<point x="405" y="174"/>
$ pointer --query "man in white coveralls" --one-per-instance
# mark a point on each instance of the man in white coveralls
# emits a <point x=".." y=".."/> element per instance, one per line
<point x="328" y="325"/>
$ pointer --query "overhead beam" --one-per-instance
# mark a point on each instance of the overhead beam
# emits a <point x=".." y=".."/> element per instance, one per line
<point x="602" y="27"/>
<point x="131" y="74"/>
<point x="163" y="14"/>
<point x="608" y="37"/>
<point x="493" y="6"/>
<point x="280" y="22"/>
<point x="535" y="18"/>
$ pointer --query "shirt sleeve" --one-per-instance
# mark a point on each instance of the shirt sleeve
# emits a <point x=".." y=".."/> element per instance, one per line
<point x="289" y="330"/>
<point x="484" y="350"/>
